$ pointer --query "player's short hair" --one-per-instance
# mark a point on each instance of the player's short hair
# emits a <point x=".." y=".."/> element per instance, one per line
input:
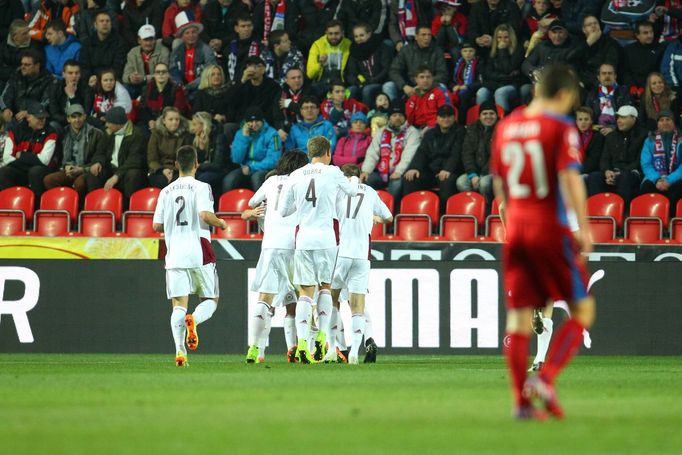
<point x="318" y="146"/>
<point x="290" y="161"/>
<point x="584" y="110"/>
<point x="186" y="156"/>
<point x="554" y="78"/>
<point x="351" y="170"/>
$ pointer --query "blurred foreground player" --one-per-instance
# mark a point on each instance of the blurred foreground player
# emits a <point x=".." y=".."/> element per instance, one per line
<point x="536" y="164"/>
<point x="184" y="213"/>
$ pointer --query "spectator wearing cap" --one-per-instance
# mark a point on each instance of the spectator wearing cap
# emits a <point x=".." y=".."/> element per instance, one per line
<point x="591" y="142"/>
<point x="428" y="97"/>
<point x="255" y="89"/>
<point x="71" y="89"/>
<point x="657" y="96"/>
<point x="121" y="163"/>
<point x="171" y="132"/>
<point x="641" y="58"/>
<point x="280" y="56"/>
<point x="660" y="161"/>
<point x="102" y="50"/>
<point x="449" y="26"/>
<point x="422" y="52"/>
<point x="142" y="60"/>
<point x="62" y="47"/>
<point x="161" y="92"/>
<point x="30" y="83"/>
<point x="29" y="153"/>
<point x="80" y="143"/>
<point x="352" y="147"/>
<point x="310" y="124"/>
<point x="189" y="58"/>
<point x="487" y="15"/>
<point x="476" y="153"/>
<point x="390" y="153"/>
<point x="606" y="98"/>
<point x="619" y="164"/>
<point x="338" y="109"/>
<point x="466" y="80"/>
<point x="219" y="19"/>
<point x="237" y="51"/>
<point x="138" y="13"/>
<point x="557" y="49"/>
<point x="176" y="15"/>
<point x="594" y="49"/>
<point x="256" y="149"/>
<point x="368" y="64"/>
<point x="328" y="57"/>
<point x="438" y="160"/>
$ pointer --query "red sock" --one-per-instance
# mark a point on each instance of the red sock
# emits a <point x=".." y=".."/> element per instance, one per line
<point x="517" y="361"/>
<point x="563" y="348"/>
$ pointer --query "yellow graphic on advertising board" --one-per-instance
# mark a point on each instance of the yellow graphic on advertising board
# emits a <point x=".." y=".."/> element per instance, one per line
<point x="78" y="248"/>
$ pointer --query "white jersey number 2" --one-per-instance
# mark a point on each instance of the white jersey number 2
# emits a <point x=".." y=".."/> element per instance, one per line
<point x="514" y="155"/>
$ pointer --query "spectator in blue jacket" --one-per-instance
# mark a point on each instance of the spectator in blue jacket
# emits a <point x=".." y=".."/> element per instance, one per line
<point x="256" y="148"/>
<point x="671" y="65"/>
<point x="311" y="124"/>
<point x="62" y="47"/>
<point x="660" y="161"/>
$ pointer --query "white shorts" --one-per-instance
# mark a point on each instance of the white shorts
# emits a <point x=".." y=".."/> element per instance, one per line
<point x="274" y="272"/>
<point x="313" y="267"/>
<point x="202" y="281"/>
<point x="351" y="274"/>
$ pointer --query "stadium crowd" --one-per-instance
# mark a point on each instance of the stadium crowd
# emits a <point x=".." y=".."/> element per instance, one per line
<point x="99" y="93"/>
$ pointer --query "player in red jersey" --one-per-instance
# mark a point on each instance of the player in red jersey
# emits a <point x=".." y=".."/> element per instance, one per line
<point x="536" y="164"/>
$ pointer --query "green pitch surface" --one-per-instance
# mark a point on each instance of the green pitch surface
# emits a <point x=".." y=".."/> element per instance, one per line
<point x="122" y="404"/>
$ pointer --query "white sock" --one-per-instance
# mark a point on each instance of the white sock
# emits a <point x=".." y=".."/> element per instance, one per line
<point x="290" y="331"/>
<point x="260" y="317"/>
<point x="177" y="323"/>
<point x="324" y="311"/>
<point x="312" y="337"/>
<point x="358" y="333"/>
<point x="265" y="336"/>
<point x="304" y="313"/>
<point x="369" y="328"/>
<point x="204" y="311"/>
<point x="587" y="341"/>
<point x="340" y="334"/>
<point x="543" y="340"/>
<point x="331" y="337"/>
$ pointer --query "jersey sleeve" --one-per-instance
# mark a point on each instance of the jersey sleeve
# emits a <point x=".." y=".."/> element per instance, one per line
<point x="158" y="212"/>
<point x="204" y="198"/>
<point x="287" y="204"/>
<point x="568" y="156"/>
<point x="349" y="187"/>
<point x="380" y="209"/>
<point x="260" y="195"/>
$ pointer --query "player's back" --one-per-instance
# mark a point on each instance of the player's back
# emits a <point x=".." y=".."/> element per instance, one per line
<point x="278" y="231"/>
<point x="529" y="151"/>
<point x="187" y="237"/>
<point x="356" y="215"/>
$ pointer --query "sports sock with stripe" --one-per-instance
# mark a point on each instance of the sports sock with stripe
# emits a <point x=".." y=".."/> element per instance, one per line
<point x="516" y="352"/>
<point x="544" y="339"/>
<point x="358" y="325"/>
<point x="204" y="311"/>
<point x="177" y="323"/>
<point x="304" y="313"/>
<point x="563" y="349"/>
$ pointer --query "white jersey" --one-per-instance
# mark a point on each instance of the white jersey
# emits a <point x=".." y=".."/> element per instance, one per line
<point x="356" y="214"/>
<point x="188" y="239"/>
<point x="311" y="193"/>
<point x="278" y="232"/>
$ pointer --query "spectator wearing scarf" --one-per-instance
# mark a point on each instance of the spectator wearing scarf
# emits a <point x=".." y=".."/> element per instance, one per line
<point x="606" y="98"/>
<point x="271" y="15"/>
<point x="466" y="80"/>
<point x="238" y="50"/>
<point x="405" y="17"/>
<point x="280" y="56"/>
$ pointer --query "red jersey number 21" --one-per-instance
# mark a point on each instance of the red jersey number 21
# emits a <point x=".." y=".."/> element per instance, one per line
<point x="515" y="155"/>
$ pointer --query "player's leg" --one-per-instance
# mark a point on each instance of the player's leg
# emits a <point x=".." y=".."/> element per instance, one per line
<point x="357" y="308"/>
<point x="543" y="327"/>
<point x="177" y="290"/>
<point x="334" y="327"/>
<point x="371" y="347"/>
<point x="290" y="330"/>
<point x="304" y="277"/>
<point x="260" y="323"/>
<point x="516" y="351"/>
<point x="204" y="282"/>
<point x="324" y="317"/>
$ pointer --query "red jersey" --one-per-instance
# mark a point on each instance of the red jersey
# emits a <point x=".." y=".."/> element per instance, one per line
<point x="528" y="152"/>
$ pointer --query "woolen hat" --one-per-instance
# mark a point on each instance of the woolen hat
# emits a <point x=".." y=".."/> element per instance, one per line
<point x="116" y="115"/>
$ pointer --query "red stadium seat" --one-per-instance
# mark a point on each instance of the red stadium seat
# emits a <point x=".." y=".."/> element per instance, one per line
<point x="378" y="231"/>
<point x="237" y="228"/>
<point x="462" y="208"/>
<point x="59" y="208"/>
<point x="235" y="201"/>
<point x="387" y="199"/>
<point x="101" y="213"/>
<point x="230" y="208"/>
<point x="495" y="209"/>
<point x="602" y="229"/>
<point x="18" y="198"/>
<point x="137" y="221"/>
<point x="494" y="229"/>
<point x="648" y="214"/>
<point x="608" y="205"/>
<point x="474" y="111"/>
<point x="421" y="203"/>
<point x="675" y="223"/>
<point x="458" y="228"/>
<point x="12" y="222"/>
<point x="643" y="230"/>
<point x="413" y="227"/>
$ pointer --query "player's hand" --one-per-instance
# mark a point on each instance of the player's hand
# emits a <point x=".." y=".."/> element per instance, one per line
<point x="223" y="225"/>
<point x="169" y="174"/>
<point x="443" y="175"/>
<point x="7" y="115"/>
<point x="259" y="212"/>
<point x="363" y="177"/>
<point x="395" y="176"/>
<point x="584" y="241"/>
<point x="111" y="182"/>
<point x="411" y="175"/>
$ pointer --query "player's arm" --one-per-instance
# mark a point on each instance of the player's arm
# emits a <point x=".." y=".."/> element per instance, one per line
<point x="157" y="220"/>
<point x="348" y="186"/>
<point x="204" y="201"/>
<point x="287" y="204"/>
<point x="252" y="214"/>
<point x="382" y="215"/>
<point x="212" y="220"/>
<point x="575" y="196"/>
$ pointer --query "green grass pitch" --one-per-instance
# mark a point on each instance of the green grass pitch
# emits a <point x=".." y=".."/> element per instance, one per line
<point x="418" y="405"/>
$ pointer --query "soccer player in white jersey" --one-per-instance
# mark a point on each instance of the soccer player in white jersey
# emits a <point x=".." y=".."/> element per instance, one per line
<point x="275" y="269"/>
<point x="184" y="213"/>
<point x="310" y="194"/>
<point x="357" y="214"/>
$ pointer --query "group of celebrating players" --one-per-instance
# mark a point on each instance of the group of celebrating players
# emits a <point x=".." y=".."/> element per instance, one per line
<point x="317" y="220"/>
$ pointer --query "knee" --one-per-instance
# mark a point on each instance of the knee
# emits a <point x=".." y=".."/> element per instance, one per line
<point x="462" y="183"/>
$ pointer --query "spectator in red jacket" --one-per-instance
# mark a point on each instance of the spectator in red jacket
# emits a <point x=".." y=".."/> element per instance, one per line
<point x="422" y="106"/>
<point x="449" y="28"/>
<point x="351" y="149"/>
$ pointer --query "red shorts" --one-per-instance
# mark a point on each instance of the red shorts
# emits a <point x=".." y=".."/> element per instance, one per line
<point x="540" y="264"/>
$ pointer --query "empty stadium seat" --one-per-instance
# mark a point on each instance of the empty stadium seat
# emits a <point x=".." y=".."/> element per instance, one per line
<point x="458" y="228"/>
<point x="101" y="213"/>
<point x="474" y="111"/>
<point x="606" y="205"/>
<point x="413" y="227"/>
<point x="230" y="208"/>
<point x="387" y="199"/>
<point x="494" y="229"/>
<point x="378" y="231"/>
<point x="421" y="203"/>
<point x="137" y="221"/>
<point x="58" y="209"/>
<point x="464" y="212"/>
<point x="643" y="230"/>
<point x="236" y="227"/>
<point x="602" y="229"/>
<point x="649" y="213"/>
<point x="467" y="203"/>
<point x="235" y="200"/>
<point x="675" y="223"/>
<point x="18" y="198"/>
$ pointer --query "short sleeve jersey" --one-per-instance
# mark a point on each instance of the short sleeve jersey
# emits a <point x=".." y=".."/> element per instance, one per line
<point x="278" y="231"/>
<point x="310" y="194"/>
<point x="188" y="239"/>
<point x="356" y="215"/>
<point x="528" y="152"/>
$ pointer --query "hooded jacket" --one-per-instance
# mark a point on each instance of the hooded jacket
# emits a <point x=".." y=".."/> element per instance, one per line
<point x="351" y="149"/>
<point x="260" y="151"/>
<point x="302" y="131"/>
<point x="316" y="71"/>
<point x="55" y="56"/>
<point x="163" y="145"/>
